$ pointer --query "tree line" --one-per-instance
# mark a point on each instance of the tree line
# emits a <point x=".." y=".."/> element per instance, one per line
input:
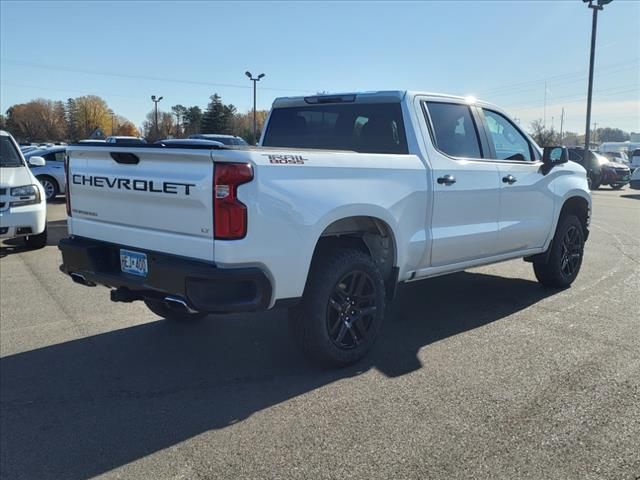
<point x="43" y="120"/>
<point x="217" y="117"/>
<point x="548" y="137"/>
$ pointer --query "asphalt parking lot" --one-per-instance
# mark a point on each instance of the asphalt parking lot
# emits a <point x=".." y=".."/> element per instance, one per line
<point x="483" y="374"/>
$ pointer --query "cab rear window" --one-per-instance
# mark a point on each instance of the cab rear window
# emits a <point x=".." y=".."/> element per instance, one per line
<point x="359" y="127"/>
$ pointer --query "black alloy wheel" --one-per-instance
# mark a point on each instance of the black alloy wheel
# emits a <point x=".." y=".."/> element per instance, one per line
<point x="571" y="251"/>
<point x="351" y="310"/>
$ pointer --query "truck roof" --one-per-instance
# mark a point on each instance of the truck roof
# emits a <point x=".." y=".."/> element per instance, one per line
<point x="381" y="96"/>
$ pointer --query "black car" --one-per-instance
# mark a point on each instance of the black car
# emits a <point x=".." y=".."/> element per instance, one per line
<point x="218" y="137"/>
<point x="600" y="170"/>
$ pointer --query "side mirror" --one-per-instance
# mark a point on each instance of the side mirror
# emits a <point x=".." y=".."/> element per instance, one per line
<point x="555" y="155"/>
<point x="37" y="162"/>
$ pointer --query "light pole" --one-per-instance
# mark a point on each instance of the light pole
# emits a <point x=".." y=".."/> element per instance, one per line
<point x="595" y="5"/>
<point x="255" y="81"/>
<point x="112" y="119"/>
<point x="156" y="101"/>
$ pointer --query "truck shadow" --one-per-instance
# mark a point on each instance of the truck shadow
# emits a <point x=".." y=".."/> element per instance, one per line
<point x="634" y="196"/>
<point x="81" y="408"/>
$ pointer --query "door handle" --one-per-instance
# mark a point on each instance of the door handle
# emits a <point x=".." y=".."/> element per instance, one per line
<point x="510" y="179"/>
<point x="447" y="180"/>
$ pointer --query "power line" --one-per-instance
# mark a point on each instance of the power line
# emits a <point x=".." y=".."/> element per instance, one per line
<point x="556" y="84"/>
<point x="600" y="93"/>
<point x="581" y="73"/>
<point x="146" y="77"/>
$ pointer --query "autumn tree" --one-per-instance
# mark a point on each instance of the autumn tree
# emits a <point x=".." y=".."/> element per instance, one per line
<point x="166" y="126"/>
<point x="38" y="120"/>
<point x="243" y="125"/>
<point x="92" y="112"/>
<point x="542" y="135"/>
<point x="125" y="128"/>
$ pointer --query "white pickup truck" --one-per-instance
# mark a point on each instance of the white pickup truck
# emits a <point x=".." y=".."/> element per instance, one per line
<point x="347" y="196"/>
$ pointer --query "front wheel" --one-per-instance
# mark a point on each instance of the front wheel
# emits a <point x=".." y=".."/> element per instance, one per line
<point x="50" y="186"/>
<point x="565" y="258"/>
<point x="342" y="309"/>
<point x="176" y="313"/>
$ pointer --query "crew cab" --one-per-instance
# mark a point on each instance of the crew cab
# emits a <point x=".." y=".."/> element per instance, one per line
<point x="346" y="197"/>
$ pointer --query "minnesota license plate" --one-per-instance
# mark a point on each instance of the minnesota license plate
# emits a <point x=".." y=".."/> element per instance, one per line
<point x="134" y="263"/>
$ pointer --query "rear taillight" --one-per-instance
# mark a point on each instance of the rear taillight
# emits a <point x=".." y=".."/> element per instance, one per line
<point x="68" y="186"/>
<point x="230" y="214"/>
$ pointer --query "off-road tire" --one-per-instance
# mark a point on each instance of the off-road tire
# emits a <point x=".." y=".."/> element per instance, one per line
<point x="317" y="322"/>
<point x="555" y="272"/>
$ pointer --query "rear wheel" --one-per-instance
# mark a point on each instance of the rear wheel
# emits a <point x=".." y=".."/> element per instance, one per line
<point x="170" y="312"/>
<point x="50" y="186"/>
<point x="565" y="258"/>
<point x="342" y="310"/>
<point x="36" y="241"/>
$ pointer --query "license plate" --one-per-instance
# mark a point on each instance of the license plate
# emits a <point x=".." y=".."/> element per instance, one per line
<point x="626" y="178"/>
<point x="134" y="263"/>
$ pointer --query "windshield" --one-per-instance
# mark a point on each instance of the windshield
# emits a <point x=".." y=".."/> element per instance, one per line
<point x="9" y="156"/>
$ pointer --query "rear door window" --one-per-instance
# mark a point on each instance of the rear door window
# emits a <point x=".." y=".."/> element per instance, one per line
<point x="454" y="130"/>
<point x="360" y="127"/>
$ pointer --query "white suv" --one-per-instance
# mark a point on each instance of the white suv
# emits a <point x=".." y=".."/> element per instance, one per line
<point x="23" y="207"/>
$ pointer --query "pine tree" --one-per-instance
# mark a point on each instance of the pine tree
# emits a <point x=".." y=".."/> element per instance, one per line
<point x="71" y="119"/>
<point x="213" y="118"/>
<point x="193" y="120"/>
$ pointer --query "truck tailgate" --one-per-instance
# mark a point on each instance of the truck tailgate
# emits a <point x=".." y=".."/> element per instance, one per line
<point x="151" y="198"/>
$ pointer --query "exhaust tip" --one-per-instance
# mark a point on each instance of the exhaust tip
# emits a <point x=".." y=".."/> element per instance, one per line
<point x="79" y="278"/>
<point x="179" y="302"/>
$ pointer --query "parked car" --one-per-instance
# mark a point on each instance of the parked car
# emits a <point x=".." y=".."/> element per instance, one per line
<point x="189" y="141"/>
<point x="617" y="157"/>
<point x="600" y="170"/>
<point x="124" y="139"/>
<point x="589" y="163"/>
<point x="614" y="174"/>
<point x="635" y="159"/>
<point x="51" y="175"/>
<point x="23" y="209"/>
<point x="226" y="139"/>
<point x="635" y="179"/>
<point x="354" y="194"/>
<point x="28" y="148"/>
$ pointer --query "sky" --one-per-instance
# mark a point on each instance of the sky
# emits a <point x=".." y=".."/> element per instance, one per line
<point x="504" y="52"/>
